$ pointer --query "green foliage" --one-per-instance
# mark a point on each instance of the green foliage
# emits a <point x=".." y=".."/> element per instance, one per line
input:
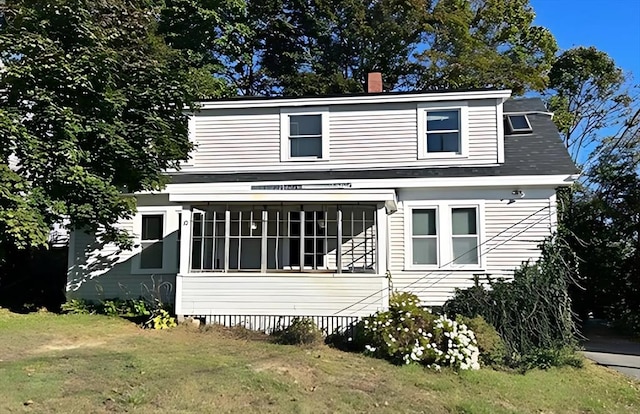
<point x="301" y="331"/>
<point x="601" y="219"/>
<point x="152" y="314"/>
<point x="408" y="333"/>
<point x="92" y="107"/>
<point x="490" y="344"/>
<point x="586" y="94"/>
<point x="78" y="307"/>
<point x="473" y="44"/>
<point x="327" y="46"/>
<point x="545" y="358"/>
<point x="533" y="311"/>
<point x="160" y="319"/>
<point x="392" y="334"/>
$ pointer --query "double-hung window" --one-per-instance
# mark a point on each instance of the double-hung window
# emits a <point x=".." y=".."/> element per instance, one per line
<point x="442" y="131"/>
<point x="151" y="256"/>
<point x="443" y="235"/>
<point x="304" y="134"/>
<point x="464" y="235"/>
<point x="424" y="236"/>
<point x="157" y="234"/>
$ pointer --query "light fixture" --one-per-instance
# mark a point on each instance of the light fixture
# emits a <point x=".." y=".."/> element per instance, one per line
<point x="254" y="225"/>
<point x="321" y="224"/>
<point x="518" y="193"/>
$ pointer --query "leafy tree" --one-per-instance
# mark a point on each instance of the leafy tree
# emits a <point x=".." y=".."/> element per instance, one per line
<point x="485" y="43"/>
<point x="92" y="108"/>
<point x="587" y="94"/>
<point x="603" y="218"/>
<point x="298" y="47"/>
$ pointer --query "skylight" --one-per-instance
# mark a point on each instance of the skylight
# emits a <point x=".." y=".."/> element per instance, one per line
<point x="518" y="124"/>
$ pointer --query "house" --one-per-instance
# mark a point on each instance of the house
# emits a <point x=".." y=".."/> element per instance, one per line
<point x="321" y="206"/>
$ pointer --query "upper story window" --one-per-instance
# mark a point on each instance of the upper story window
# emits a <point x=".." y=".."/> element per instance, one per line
<point x="304" y="134"/>
<point x="518" y="124"/>
<point x="442" y="130"/>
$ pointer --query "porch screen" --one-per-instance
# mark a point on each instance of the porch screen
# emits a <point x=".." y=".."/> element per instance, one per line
<point x="284" y="238"/>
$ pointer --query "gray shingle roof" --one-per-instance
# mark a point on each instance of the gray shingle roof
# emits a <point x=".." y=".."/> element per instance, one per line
<point x="539" y="153"/>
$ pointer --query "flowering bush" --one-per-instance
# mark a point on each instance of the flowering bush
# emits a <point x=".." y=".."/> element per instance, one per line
<point x="408" y="333"/>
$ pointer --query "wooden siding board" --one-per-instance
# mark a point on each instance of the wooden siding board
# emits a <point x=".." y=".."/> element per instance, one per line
<point x="364" y="136"/>
<point x="512" y="234"/>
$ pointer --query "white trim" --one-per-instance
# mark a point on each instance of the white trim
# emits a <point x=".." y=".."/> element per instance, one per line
<point x="444" y="232"/>
<point x="358" y="99"/>
<point x="208" y="194"/>
<point x="500" y="130"/>
<point x="285" y="155"/>
<point x="463" y="129"/>
<point x="72" y="272"/>
<point x="169" y="225"/>
<point x="382" y="242"/>
<point x="228" y="189"/>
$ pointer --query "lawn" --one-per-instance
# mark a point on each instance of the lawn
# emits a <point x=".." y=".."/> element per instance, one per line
<point x="81" y="363"/>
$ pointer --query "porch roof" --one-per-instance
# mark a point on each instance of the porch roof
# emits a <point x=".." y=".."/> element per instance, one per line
<point x="300" y="196"/>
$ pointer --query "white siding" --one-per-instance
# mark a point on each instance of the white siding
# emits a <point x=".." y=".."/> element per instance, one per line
<point x="283" y="294"/>
<point x="512" y="233"/>
<point x="100" y="271"/>
<point x="361" y="136"/>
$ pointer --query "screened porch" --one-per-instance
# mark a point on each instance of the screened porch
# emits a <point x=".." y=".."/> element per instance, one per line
<point x="275" y="238"/>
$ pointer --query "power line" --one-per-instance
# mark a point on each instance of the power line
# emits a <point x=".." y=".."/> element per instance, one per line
<point x="451" y="272"/>
<point x="480" y="245"/>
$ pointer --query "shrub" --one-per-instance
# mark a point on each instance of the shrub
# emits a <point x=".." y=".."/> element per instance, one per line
<point x="77" y="307"/>
<point x="153" y="315"/>
<point x="160" y="319"/>
<point x="490" y="345"/>
<point x="407" y="333"/>
<point x="301" y="331"/>
<point x="547" y="358"/>
<point x="394" y="334"/>
<point x="531" y="312"/>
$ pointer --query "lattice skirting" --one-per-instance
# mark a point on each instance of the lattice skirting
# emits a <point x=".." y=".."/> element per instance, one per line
<point x="269" y="323"/>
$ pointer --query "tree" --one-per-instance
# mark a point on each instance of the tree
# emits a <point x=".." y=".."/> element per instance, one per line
<point x="603" y="220"/>
<point x="485" y="43"/>
<point x="298" y="47"/>
<point x="587" y="93"/>
<point x="92" y="108"/>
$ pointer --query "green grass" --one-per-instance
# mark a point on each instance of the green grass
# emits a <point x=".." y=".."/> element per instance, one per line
<point x="82" y="363"/>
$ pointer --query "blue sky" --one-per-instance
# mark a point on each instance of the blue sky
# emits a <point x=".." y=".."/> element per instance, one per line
<point x="612" y="26"/>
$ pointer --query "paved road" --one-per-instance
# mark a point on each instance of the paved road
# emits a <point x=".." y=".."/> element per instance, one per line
<point x="608" y="349"/>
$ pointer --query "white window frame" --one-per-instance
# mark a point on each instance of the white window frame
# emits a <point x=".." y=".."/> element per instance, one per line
<point x="285" y="151"/>
<point x="169" y="226"/>
<point x="463" y="117"/>
<point x="409" y="241"/>
<point x="444" y="227"/>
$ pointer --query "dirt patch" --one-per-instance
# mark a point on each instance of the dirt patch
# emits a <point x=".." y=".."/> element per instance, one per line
<point x="306" y="377"/>
<point x="67" y="345"/>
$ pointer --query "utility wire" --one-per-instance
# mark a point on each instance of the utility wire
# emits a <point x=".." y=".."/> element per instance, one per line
<point x="481" y="244"/>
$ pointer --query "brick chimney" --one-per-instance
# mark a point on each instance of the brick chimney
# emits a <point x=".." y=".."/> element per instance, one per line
<point x="374" y="82"/>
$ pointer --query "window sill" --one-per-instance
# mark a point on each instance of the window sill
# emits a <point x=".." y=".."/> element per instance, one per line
<point x="305" y="159"/>
<point x="153" y="271"/>
<point x="414" y="268"/>
<point x="442" y="156"/>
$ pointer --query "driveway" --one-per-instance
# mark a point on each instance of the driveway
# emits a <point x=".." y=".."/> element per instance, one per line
<point x="608" y="349"/>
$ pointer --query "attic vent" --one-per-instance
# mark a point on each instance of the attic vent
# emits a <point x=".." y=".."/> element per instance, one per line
<point x="518" y="124"/>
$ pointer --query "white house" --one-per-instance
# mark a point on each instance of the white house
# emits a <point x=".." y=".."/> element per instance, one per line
<point x="321" y="206"/>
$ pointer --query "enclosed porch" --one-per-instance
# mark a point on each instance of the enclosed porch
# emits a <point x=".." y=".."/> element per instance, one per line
<point x="261" y="265"/>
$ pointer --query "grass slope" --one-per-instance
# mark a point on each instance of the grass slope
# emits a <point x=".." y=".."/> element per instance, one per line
<point x="78" y="364"/>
